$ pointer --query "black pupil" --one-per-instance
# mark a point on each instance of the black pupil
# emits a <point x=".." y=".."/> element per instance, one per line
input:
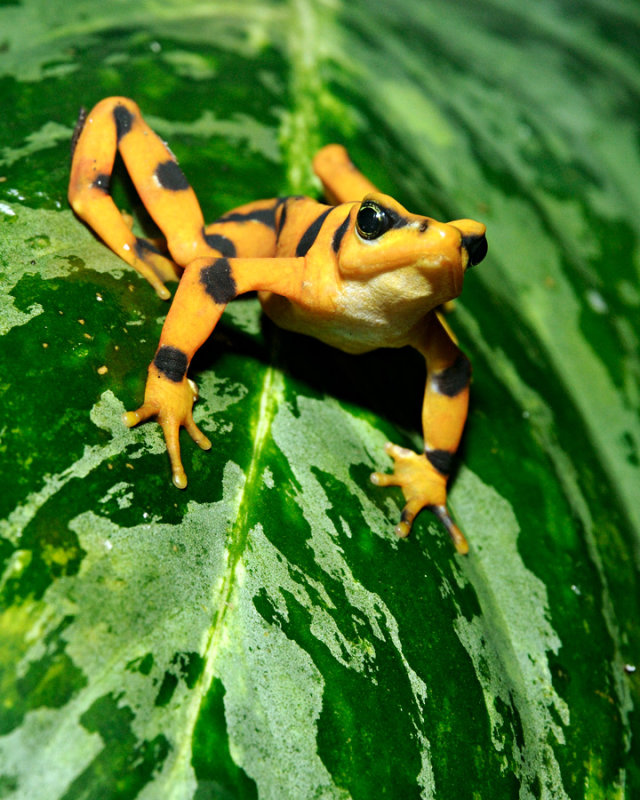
<point x="371" y="221"/>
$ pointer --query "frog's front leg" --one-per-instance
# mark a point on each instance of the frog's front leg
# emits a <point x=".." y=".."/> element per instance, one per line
<point x="207" y="285"/>
<point x="423" y="477"/>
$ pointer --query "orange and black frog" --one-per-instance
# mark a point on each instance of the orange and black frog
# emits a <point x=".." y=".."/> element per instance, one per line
<point x="358" y="274"/>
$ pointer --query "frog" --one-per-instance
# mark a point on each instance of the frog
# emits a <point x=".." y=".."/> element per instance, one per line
<point x="355" y="270"/>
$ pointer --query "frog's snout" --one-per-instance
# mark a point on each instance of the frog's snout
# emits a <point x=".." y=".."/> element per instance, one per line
<point x="472" y="239"/>
<point x="476" y="246"/>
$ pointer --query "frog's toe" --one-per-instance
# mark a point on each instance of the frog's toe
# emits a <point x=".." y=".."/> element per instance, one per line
<point x="197" y="435"/>
<point x="171" y="432"/>
<point x="409" y="512"/>
<point x="394" y="478"/>
<point x="133" y="418"/>
<point x="457" y="537"/>
<point x="155" y="266"/>
<point x="396" y="452"/>
<point x="383" y="479"/>
<point x="179" y="477"/>
<point x="151" y="275"/>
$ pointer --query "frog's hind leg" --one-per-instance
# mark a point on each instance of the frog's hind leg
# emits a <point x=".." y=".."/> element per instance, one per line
<point x="116" y="124"/>
<point x="341" y="179"/>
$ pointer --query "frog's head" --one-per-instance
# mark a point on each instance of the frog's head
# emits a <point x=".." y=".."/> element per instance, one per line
<point x="383" y="236"/>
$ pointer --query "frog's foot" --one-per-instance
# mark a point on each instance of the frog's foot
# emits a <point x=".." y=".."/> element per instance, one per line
<point x="171" y="403"/>
<point x="150" y="254"/>
<point x="423" y="487"/>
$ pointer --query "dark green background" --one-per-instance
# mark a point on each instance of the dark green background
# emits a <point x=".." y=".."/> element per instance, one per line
<point x="263" y="634"/>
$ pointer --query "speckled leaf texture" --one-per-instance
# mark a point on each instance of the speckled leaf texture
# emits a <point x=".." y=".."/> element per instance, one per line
<point x="263" y="634"/>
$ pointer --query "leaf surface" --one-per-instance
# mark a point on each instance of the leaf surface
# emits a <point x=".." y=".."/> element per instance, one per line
<point x="264" y="634"/>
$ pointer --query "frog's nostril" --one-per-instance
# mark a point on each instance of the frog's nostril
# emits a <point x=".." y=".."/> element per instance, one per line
<point x="476" y="246"/>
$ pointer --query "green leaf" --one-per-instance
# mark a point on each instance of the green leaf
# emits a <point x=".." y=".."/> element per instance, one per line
<point x="264" y="634"/>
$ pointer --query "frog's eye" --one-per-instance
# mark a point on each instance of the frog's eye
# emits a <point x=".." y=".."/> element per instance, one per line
<point x="372" y="221"/>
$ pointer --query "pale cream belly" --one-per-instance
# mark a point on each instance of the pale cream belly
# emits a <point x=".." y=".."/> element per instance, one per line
<point x="367" y="315"/>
